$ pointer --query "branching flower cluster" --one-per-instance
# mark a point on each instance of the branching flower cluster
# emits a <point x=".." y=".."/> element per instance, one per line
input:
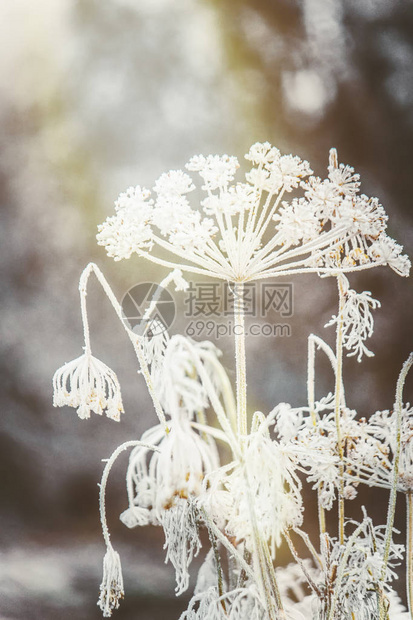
<point x="211" y="464"/>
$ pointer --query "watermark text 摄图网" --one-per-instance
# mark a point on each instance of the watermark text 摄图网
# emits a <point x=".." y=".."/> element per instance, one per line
<point x="257" y="299"/>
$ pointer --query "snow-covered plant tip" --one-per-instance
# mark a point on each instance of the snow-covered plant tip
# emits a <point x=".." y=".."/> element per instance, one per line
<point x="212" y="464"/>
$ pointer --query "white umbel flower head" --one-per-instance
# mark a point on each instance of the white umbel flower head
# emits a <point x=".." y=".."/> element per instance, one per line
<point x="332" y="228"/>
<point x="89" y="385"/>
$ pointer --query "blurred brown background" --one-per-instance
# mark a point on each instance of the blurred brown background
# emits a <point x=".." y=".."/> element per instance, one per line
<point x="99" y="95"/>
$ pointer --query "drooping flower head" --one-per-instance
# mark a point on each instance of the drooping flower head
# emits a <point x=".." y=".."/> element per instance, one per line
<point x="162" y="487"/>
<point x="111" y="589"/>
<point x="89" y="385"/>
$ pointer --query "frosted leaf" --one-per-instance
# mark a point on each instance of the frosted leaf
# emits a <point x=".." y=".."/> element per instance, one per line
<point x="363" y="557"/>
<point x="274" y="487"/>
<point x="288" y="421"/>
<point x="135" y="516"/>
<point x="205" y="606"/>
<point x="176" y="378"/>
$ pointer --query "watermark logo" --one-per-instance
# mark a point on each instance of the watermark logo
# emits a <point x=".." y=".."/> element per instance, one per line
<point x="148" y="309"/>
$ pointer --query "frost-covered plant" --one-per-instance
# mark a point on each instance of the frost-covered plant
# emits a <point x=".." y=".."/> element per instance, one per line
<point x="248" y="496"/>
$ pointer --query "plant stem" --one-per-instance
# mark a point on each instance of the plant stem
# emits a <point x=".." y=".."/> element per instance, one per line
<point x="341" y="569"/>
<point x="273" y="580"/>
<point x="267" y="577"/>
<point x="241" y="376"/>
<point x="104" y="480"/>
<point x="398" y="409"/>
<point x="136" y="342"/>
<point x="409" y="552"/>
<point x="337" y="403"/>
<point x="321" y="515"/>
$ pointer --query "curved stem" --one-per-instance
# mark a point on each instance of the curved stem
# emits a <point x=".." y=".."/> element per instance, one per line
<point x="398" y="409"/>
<point x="136" y="343"/>
<point x="301" y="564"/>
<point x="104" y="480"/>
<point x="314" y="341"/>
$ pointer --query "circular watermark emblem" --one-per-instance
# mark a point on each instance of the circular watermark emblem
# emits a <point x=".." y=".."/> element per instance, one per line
<point x="148" y="309"/>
